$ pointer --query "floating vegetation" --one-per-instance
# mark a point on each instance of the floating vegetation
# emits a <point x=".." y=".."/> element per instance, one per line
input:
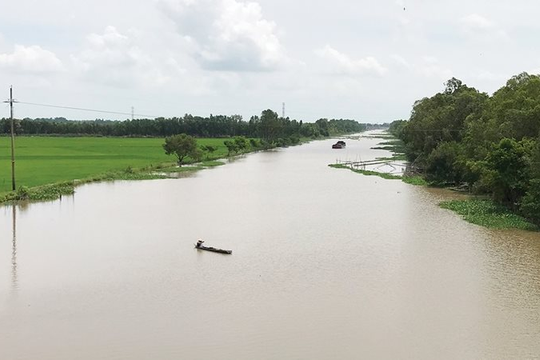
<point x="366" y="172"/>
<point x="488" y="214"/>
<point x="40" y="193"/>
<point x="380" y="136"/>
<point x="212" y="163"/>
<point x="395" y="157"/>
<point x="396" y="146"/>
<point x="415" y="180"/>
<point x="194" y="167"/>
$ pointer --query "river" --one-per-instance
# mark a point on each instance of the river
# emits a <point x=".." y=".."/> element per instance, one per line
<point x="326" y="264"/>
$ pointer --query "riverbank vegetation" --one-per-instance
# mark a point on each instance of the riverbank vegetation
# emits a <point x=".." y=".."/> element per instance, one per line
<point x="488" y="214"/>
<point x="269" y="126"/>
<point x="366" y="172"/>
<point x="66" y="153"/>
<point x="487" y="145"/>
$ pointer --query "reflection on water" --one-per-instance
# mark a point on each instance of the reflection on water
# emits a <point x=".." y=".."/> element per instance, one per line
<point x="326" y="264"/>
<point x="14" y="280"/>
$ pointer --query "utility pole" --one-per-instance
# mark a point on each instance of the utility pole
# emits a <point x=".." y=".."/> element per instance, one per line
<point x="283" y="111"/>
<point x="132" y="113"/>
<point x="10" y="102"/>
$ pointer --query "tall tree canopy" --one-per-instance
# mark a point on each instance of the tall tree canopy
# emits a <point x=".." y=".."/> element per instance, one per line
<point x="489" y="143"/>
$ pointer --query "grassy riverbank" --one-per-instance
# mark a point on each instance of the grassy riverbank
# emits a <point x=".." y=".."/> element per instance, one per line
<point x="49" y="166"/>
<point x="480" y="212"/>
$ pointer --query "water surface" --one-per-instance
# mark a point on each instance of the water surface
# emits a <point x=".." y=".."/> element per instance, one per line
<point x="326" y="264"/>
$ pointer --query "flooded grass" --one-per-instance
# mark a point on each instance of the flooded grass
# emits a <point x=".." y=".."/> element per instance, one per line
<point x="415" y="180"/>
<point x="40" y="193"/>
<point x="395" y="145"/>
<point x="395" y="157"/>
<point x="380" y="136"/>
<point x="366" y="172"/>
<point x="488" y="214"/>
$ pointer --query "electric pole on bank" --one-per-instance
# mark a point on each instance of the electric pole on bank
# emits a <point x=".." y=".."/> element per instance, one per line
<point x="10" y="102"/>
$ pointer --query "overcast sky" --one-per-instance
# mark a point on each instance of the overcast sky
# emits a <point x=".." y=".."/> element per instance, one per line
<point x="367" y="60"/>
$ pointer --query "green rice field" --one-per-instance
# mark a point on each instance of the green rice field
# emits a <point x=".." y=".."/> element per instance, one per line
<point x="47" y="160"/>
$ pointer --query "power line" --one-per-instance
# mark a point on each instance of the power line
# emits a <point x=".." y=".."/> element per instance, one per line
<point x="132" y="114"/>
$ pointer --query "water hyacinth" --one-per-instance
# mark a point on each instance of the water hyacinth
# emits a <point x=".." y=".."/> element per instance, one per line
<point x="488" y="214"/>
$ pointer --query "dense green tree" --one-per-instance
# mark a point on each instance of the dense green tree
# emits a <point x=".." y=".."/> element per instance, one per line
<point x="507" y="170"/>
<point x="270" y="127"/>
<point x="242" y="144"/>
<point x="441" y="118"/>
<point x="208" y="150"/>
<point x="232" y="147"/>
<point x="442" y="164"/>
<point x="530" y="205"/>
<point x="491" y="144"/>
<point x="182" y="146"/>
<point x="323" y="125"/>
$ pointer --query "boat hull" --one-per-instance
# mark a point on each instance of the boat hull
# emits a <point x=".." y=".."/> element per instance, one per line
<point x="213" y="249"/>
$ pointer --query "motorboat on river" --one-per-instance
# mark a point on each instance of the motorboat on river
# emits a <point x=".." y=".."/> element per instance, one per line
<point x="339" y="145"/>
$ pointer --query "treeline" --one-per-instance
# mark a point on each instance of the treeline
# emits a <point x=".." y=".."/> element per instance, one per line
<point x="489" y="144"/>
<point x="268" y="126"/>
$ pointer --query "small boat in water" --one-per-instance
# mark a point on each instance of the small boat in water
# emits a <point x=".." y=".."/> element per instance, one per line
<point x="339" y="145"/>
<point x="199" y="245"/>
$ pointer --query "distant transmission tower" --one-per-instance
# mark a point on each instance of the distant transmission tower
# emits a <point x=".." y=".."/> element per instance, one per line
<point x="283" y="111"/>
<point x="132" y="112"/>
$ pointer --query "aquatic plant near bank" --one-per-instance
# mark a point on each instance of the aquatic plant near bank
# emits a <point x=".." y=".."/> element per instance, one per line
<point x="414" y="180"/>
<point x="40" y="193"/>
<point x="366" y="172"/>
<point x="394" y="145"/>
<point x="56" y="191"/>
<point x="488" y="214"/>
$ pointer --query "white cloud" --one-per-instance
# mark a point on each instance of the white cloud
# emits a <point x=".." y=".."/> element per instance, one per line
<point x="227" y="35"/>
<point x="476" y="22"/>
<point x="401" y="61"/>
<point x="113" y="58"/>
<point x="432" y="68"/>
<point x="343" y="64"/>
<point x="478" y="27"/>
<point x="486" y="75"/>
<point x="31" y="59"/>
<point x="401" y="4"/>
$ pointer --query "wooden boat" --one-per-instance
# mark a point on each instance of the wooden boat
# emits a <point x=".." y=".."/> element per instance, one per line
<point x="213" y="249"/>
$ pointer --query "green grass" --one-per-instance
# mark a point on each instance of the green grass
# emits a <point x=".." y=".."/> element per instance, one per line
<point x="488" y="214"/>
<point x="49" y="160"/>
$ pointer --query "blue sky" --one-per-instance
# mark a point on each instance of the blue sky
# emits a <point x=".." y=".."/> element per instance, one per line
<point x="366" y="60"/>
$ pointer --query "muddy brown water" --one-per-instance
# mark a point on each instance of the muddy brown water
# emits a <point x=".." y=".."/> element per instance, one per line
<point x="326" y="264"/>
